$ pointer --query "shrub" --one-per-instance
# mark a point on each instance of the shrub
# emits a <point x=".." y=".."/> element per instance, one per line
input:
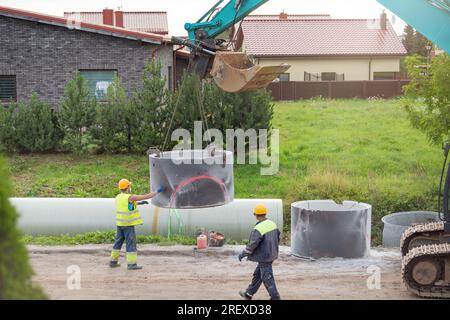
<point x="36" y="127"/>
<point x="150" y="109"/>
<point x="7" y="135"/>
<point x="428" y="96"/>
<point x="15" y="271"/>
<point x="112" y="129"/>
<point x="223" y="110"/>
<point x="30" y="127"/>
<point x="186" y="107"/>
<point x="77" y="113"/>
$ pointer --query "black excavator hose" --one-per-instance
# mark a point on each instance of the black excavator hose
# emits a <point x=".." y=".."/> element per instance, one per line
<point x="195" y="45"/>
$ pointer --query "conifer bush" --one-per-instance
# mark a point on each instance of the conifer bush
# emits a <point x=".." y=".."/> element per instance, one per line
<point x="77" y="114"/>
<point x="35" y="127"/>
<point x="29" y="127"/>
<point x="7" y="135"/>
<point x="112" y="129"/>
<point x="15" y="270"/>
<point x="149" y="113"/>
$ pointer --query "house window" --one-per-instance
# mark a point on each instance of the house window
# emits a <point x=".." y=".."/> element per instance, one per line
<point x="311" y="76"/>
<point x="98" y="81"/>
<point x="8" y="88"/>
<point x="284" y="77"/>
<point x="384" y="76"/>
<point x="328" y="76"/>
<point x="340" y="76"/>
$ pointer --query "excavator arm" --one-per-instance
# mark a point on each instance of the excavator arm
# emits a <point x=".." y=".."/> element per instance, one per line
<point x="214" y="24"/>
<point x="234" y="72"/>
<point x="210" y="55"/>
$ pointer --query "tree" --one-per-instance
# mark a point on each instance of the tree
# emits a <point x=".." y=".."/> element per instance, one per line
<point x="428" y="97"/>
<point x="409" y="39"/>
<point x="421" y="44"/>
<point x="77" y="112"/>
<point x="112" y="130"/>
<point x="15" y="270"/>
<point x="150" y="109"/>
<point x="36" y="127"/>
<point x="222" y="110"/>
<point x="415" y="43"/>
<point x="7" y="134"/>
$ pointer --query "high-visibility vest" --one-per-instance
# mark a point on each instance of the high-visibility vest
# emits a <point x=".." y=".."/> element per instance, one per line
<point x="124" y="216"/>
<point x="265" y="226"/>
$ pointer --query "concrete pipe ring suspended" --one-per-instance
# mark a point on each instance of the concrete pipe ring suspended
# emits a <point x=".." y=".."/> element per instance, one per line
<point x="192" y="178"/>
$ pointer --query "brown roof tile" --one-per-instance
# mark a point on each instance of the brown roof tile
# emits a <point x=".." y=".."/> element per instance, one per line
<point x="320" y="37"/>
<point x="153" y="22"/>
<point x="84" y="26"/>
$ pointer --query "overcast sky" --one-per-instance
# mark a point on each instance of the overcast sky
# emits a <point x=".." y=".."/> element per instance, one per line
<point x="181" y="11"/>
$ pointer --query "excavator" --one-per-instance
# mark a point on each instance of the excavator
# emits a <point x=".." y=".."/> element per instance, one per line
<point x="215" y="44"/>
<point x="215" y="52"/>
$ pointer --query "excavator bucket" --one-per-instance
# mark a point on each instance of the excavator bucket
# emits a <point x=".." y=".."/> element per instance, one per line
<point x="234" y="72"/>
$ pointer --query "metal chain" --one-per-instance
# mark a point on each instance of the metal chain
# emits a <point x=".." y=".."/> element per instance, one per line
<point x="202" y="107"/>
<point x="199" y="96"/>
<point x="180" y="93"/>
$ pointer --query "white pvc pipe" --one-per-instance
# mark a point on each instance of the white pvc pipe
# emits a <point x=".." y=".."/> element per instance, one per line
<point x="57" y="216"/>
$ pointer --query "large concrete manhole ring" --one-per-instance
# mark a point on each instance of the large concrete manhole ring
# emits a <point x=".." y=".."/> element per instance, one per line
<point x="396" y="223"/>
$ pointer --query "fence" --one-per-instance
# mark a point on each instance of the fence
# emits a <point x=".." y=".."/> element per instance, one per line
<point x="295" y="90"/>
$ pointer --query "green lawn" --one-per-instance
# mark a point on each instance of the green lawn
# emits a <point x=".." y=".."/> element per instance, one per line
<point x="329" y="149"/>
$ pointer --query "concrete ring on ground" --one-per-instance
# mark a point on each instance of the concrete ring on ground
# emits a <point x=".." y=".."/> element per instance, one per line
<point x="396" y="223"/>
<point x="324" y="228"/>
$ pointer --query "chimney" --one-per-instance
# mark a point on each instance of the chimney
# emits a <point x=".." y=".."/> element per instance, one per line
<point x="383" y="21"/>
<point x="108" y="17"/>
<point x="119" y="19"/>
<point x="283" y="16"/>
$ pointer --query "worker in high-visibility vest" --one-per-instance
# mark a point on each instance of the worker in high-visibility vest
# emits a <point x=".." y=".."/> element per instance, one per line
<point x="262" y="248"/>
<point x="127" y="217"/>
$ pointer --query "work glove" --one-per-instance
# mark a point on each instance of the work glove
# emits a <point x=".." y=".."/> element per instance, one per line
<point x="141" y="203"/>
<point x="160" y="189"/>
<point x="241" y="256"/>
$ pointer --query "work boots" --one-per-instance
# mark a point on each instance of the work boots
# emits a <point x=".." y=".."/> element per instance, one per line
<point x="245" y="295"/>
<point x="114" y="264"/>
<point x="134" y="267"/>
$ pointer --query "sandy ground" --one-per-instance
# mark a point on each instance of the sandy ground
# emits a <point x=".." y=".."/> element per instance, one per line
<point x="180" y="272"/>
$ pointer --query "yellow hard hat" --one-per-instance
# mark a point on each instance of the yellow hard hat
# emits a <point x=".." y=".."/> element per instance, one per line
<point x="124" y="184"/>
<point x="260" y="209"/>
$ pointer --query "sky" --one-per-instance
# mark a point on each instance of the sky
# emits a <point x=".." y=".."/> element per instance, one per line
<point x="181" y="11"/>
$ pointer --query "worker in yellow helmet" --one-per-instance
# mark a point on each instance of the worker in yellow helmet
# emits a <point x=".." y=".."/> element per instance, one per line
<point x="128" y="216"/>
<point x="262" y="248"/>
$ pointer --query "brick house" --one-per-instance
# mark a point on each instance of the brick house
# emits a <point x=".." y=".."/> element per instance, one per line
<point x="40" y="53"/>
<point x="320" y="48"/>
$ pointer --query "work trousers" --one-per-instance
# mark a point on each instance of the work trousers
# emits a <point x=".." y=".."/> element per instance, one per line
<point x="128" y="235"/>
<point x="264" y="274"/>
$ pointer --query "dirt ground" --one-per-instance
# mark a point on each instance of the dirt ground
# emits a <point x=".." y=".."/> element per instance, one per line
<point x="180" y="272"/>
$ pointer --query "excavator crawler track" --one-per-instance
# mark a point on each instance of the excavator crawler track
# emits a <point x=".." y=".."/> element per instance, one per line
<point x="429" y="264"/>
<point x="425" y="231"/>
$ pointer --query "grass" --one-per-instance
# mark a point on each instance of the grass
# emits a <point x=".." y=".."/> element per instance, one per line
<point x="102" y="237"/>
<point x="362" y="150"/>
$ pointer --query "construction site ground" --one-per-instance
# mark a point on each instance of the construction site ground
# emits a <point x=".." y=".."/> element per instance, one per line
<point x="182" y="272"/>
